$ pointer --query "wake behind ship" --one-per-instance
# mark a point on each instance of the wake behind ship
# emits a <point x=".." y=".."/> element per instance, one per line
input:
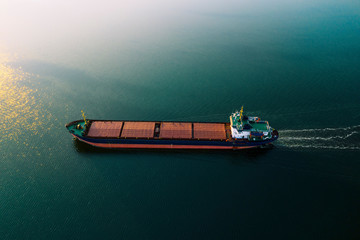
<point x="240" y="133"/>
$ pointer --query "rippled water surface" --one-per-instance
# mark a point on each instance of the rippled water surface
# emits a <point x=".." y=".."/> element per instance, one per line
<point x="293" y="64"/>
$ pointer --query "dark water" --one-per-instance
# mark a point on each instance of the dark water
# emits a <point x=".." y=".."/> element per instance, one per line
<point x="294" y="64"/>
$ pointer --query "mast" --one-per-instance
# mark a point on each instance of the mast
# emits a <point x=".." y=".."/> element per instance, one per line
<point x="83" y="115"/>
<point x="241" y="113"/>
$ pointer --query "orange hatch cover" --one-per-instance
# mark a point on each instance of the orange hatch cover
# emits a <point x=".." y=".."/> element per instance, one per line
<point x="175" y="130"/>
<point x="138" y="129"/>
<point x="105" y="129"/>
<point x="209" y="131"/>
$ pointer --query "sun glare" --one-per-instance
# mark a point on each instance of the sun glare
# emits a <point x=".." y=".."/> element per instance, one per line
<point x="19" y="109"/>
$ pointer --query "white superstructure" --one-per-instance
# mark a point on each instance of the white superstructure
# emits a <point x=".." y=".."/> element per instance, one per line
<point x="251" y="128"/>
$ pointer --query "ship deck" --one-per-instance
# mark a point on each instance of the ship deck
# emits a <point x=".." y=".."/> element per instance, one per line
<point x="262" y="126"/>
<point x="209" y="131"/>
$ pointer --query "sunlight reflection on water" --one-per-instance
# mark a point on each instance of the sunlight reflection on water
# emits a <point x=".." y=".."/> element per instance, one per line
<point x="20" y="108"/>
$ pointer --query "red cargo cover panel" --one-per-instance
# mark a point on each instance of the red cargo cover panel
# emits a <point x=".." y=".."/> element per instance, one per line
<point x="209" y="131"/>
<point x="105" y="129"/>
<point x="175" y="130"/>
<point x="138" y="129"/>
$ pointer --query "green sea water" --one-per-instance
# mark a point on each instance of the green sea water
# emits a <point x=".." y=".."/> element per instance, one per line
<point x="293" y="64"/>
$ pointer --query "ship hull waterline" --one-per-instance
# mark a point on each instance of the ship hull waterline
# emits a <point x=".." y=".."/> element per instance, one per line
<point x="119" y="145"/>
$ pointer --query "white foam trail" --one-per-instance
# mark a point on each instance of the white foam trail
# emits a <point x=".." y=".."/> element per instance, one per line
<point x="320" y="138"/>
<point x="318" y="129"/>
<point x="322" y="147"/>
<point x="346" y="138"/>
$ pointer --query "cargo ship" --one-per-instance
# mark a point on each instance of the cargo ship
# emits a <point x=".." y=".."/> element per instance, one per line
<point x="241" y="132"/>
